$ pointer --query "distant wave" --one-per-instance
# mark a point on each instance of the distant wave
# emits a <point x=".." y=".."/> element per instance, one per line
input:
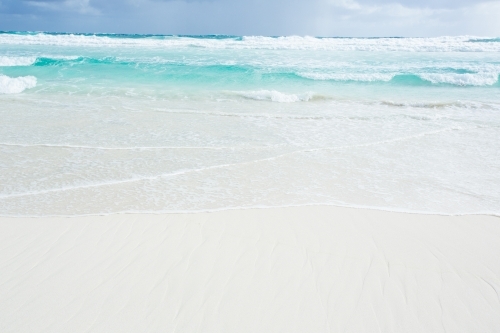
<point x="476" y="79"/>
<point x="466" y="79"/>
<point x="55" y="61"/>
<point x="485" y="40"/>
<point x="13" y="61"/>
<point x="361" y="77"/>
<point x="9" y="85"/>
<point x="443" y="105"/>
<point x="41" y="61"/>
<point x="436" y="44"/>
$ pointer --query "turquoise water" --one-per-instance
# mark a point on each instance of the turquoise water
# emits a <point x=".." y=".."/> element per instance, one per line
<point x="95" y="124"/>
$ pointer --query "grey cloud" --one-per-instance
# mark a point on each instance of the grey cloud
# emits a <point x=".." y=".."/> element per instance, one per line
<point x="425" y="3"/>
<point x="444" y="3"/>
<point x="41" y="1"/>
<point x="256" y="17"/>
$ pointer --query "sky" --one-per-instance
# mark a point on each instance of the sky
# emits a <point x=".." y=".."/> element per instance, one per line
<point x="256" y="17"/>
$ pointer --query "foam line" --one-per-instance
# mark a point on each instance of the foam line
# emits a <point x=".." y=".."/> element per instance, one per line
<point x="221" y="166"/>
<point x="435" y="44"/>
<point x="336" y="203"/>
<point x="124" y="148"/>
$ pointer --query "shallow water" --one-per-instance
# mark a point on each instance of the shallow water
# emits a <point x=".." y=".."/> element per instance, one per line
<point x="96" y="124"/>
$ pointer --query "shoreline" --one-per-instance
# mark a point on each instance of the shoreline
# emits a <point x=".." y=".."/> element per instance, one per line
<point x="229" y="209"/>
<point x="298" y="269"/>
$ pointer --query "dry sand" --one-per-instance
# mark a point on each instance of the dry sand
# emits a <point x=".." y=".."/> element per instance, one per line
<point x="304" y="269"/>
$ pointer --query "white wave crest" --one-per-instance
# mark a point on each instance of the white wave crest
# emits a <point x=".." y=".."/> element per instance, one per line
<point x="476" y="79"/>
<point x="368" y="77"/>
<point x="435" y="44"/>
<point x="10" y="85"/>
<point x="275" y="96"/>
<point x="6" y="61"/>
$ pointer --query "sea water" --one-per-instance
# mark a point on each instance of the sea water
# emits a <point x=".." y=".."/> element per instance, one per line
<point x="103" y="123"/>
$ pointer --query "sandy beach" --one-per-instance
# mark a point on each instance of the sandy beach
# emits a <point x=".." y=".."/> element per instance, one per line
<point x="301" y="269"/>
<point x="185" y="166"/>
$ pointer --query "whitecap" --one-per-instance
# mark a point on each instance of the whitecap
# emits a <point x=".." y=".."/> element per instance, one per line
<point x="476" y="79"/>
<point x="7" y="61"/>
<point x="435" y="44"/>
<point x="10" y="85"/>
<point x="361" y="77"/>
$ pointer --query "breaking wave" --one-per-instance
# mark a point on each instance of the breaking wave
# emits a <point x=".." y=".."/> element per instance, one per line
<point x="436" y="44"/>
<point x="361" y="77"/>
<point x="276" y="96"/>
<point x="457" y="75"/>
<point x="7" y="61"/>
<point x="465" y="79"/>
<point x="9" y="85"/>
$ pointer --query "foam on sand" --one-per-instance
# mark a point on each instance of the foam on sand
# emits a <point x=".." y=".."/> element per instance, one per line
<point x="10" y="85"/>
<point x="275" y="96"/>
<point x="302" y="269"/>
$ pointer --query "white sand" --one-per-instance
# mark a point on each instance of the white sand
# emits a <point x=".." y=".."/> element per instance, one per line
<point x="307" y="269"/>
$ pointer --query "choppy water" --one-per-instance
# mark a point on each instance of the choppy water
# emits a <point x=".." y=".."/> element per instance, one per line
<point x="95" y="124"/>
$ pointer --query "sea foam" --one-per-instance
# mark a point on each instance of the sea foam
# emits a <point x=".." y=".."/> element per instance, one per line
<point x="361" y="77"/>
<point x="436" y="44"/>
<point x="8" y="61"/>
<point x="122" y="123"/>
<point x="467" y="79"/>
<point x="9" y="85"/>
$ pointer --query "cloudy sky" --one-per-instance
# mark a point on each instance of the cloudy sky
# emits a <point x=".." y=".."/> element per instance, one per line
<point x="256" y="17"/>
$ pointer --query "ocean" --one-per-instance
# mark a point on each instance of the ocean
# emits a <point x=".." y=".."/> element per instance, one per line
<point x="109" y="123"/>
